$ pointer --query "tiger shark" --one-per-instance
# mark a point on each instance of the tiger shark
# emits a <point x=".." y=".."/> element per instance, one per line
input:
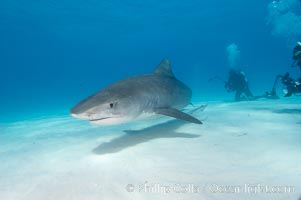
<point x="139" y="97"/>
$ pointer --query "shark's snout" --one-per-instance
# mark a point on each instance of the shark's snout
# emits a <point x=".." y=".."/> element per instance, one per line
<point x="75" y="115"/>
<point x="80" y="116"/>
<point x="77" y="112"/>
<point x="89" y="114"/>
<point x="74" y="111"/>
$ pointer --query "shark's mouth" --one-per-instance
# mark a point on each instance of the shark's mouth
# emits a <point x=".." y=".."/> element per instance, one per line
<point x="95" y="120"/>
<point x="109" y="120"/>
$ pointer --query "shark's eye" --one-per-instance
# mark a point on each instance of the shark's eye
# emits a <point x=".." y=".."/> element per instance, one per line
<point x="111" y="105"/>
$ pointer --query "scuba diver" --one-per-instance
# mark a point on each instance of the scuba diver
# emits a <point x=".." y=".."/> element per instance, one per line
<point x="238" y="83"/>
<point x="292" y="86"/>
<point x="297" y="55"/>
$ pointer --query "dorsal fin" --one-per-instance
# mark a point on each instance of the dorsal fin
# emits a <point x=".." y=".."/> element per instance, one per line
<point x="164" y="68"/>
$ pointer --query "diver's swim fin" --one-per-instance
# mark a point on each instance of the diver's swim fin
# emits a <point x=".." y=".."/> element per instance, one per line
<point x="172" y="112"/>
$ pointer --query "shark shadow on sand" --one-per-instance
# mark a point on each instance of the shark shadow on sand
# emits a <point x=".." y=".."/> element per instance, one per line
<point x="134" y="137"/>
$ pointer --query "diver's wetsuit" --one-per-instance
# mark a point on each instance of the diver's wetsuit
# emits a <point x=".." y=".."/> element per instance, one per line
<point x="237" y="82"/>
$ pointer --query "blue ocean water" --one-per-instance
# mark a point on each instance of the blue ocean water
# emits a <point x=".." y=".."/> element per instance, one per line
<point x="54" y="53"/>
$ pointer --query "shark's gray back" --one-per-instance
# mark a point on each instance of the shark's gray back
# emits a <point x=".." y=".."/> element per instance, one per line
<point x="152" y="91"/>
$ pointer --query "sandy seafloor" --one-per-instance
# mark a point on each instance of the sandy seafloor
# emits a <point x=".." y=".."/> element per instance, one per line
<point x="240" y="144"/>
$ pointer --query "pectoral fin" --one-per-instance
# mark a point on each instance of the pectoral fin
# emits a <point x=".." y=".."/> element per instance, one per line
<point x="172" y="112"/>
